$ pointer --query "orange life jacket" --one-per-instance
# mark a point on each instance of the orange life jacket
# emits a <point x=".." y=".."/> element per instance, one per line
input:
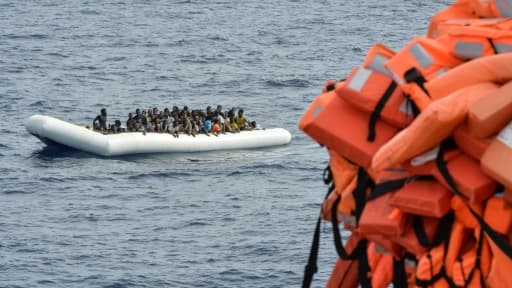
<point x="497" y="216"/>
<point x="493" y="23"/>
<point x="429" y="272"/>
<point x="342" y="170"/>
<point x="469" y="144"/>
<point x="437" y="265"/>
<point x="409" y="240"/>
<point x="379" y="217"/>
<point x="423" y="197"/>
<point x="343" y="174"/>
<point x="487" y="116"/>
<point x="469" y="178"/>
<point x="421" y="60"/>
<point x="459" y="9"/>
<point x="377" y="55"/>
<point x="493" y="68"/>
<point x="382" y="272"/>
<point x="344" y="273"/>
<point x="308" y="122"/>
<point x="501" y="265"/>
<point x="497" y="158"/>
<point x="328" y="203"/>
<point x="474" y="42"/>
<point x="340" y="127"/>
<point x="468" y="268"/>
<point x="463" y="215"/>
<point x="433" y="125"/>
<point x="378" y="94"/>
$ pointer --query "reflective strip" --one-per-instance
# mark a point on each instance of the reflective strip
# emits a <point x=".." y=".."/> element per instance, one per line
<point x="504" y="7"/>
<point x="359" y="79"/>
<point x="468" y="50"/>
<point x="503" y="48"/>
<point x="317" y="110"/>
<point x="397" y="78"/>
<point x="425" y="157"/>
<point x="505" y="135"/>
<point x="441" y="72"/>
<point x="423" y="58"/>
<point x="377" y="64"/>
<point x="406" y="107"/>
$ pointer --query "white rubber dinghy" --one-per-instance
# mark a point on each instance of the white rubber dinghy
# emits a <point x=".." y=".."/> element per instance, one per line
<point x="50" y="129"/>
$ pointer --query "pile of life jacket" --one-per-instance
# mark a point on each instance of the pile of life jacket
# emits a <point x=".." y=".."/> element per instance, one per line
<point x="420" y="146"/>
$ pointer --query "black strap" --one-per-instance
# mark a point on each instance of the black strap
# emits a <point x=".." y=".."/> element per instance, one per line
<point x="413" y="75"/>
<point x="363" y="182"/>
<point x="311" y="268"/>
<point x="443" y="231"/>
<point x="399" y="273"/>
<point x="338" y="244"/>
<point x="432" y="280"/>
<point x="363" y="268"/>
<point x="495" y="237"/>
<point x="492" y="46"/>
<point x="378" y="109"/>
<point x="382" y="188"/>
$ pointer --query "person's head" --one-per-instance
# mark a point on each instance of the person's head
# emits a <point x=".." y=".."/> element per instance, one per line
<point x="150" y="112"/>
<point x="103" y="112"/>
<point x="129" y="115"/>
<point x="240" y="112"/>
<point x="155" y="111"/>
<point x="219" y="108"/>
<point x="185" y="108"/>
<point x="253" y="124"/>
<point x="118" y="123"/>
<point x="137" y="111"/>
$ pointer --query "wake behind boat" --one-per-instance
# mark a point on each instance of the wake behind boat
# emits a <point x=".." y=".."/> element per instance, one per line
<point x="52" y="130"/>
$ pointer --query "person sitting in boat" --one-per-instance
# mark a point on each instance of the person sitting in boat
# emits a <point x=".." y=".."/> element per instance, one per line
<point x="187" y="126"/>
<point x="216" y="130"/>
<point x="220" y="119"/>
<point x="138" y="119"/>
<point x="186" y="111"/>
<point x="116" y="127"/>
<point x="241" y="120"/>
<point x="232" y="125"/>
<point x="100" y="122"/>
<point x="174" y="130"/>
<point x="131" y="124"/>
<point x="256" y="126"/>
<point x="144" y="121"/>
<point x="227" y="123"/>
<point x="207" y="125"/>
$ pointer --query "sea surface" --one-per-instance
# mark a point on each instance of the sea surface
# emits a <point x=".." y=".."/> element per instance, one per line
<point x="219" y="219"/>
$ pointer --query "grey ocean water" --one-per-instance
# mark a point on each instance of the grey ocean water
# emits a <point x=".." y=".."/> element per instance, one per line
<point x="221" y="219"/>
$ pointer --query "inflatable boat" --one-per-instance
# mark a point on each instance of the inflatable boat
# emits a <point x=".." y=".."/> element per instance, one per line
<point x="54" y="131"/>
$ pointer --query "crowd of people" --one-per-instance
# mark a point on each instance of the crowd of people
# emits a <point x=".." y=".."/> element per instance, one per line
<point x="176" y="121"/>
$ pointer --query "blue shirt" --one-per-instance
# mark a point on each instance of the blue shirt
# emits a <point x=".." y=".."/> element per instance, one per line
<point x="207" y="125"/>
